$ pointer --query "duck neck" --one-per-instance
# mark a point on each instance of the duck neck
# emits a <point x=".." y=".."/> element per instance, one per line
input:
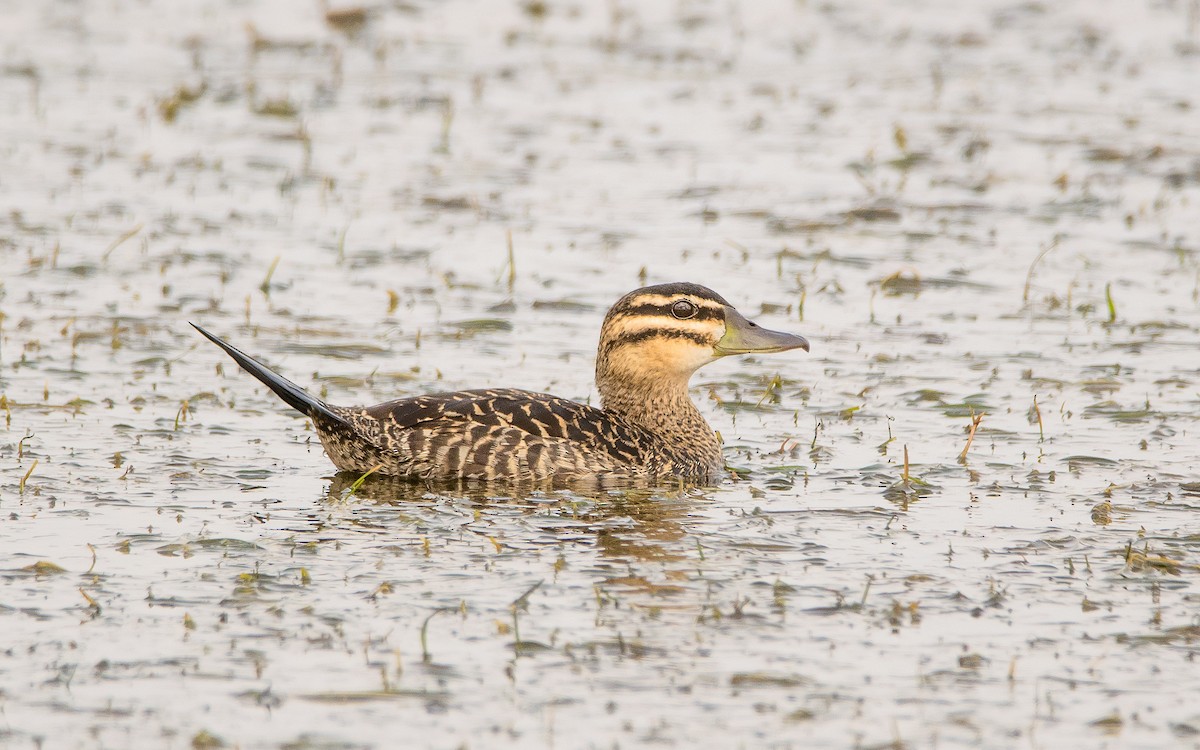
<point x="664" y="409"/>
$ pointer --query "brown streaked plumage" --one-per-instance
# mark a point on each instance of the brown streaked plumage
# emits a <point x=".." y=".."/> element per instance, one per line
<point x="651" y="342"/>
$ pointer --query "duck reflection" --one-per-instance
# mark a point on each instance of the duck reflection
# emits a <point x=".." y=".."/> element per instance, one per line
<point x="629" y="519"/>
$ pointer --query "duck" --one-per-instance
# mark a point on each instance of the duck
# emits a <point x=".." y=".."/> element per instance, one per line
<point x="646" y="427"/>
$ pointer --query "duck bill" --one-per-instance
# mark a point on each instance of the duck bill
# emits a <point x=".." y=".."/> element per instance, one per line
<point x="743" y="337"/>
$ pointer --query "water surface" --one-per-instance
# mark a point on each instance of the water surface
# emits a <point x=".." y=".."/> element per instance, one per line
<point x="970" y="209"/>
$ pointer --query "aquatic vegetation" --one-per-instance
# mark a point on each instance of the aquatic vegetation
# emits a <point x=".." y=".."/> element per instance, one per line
<point x="968" y="519"/>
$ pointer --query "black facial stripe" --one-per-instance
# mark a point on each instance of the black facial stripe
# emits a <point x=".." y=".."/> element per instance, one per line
<point x="664" y="311"/>
<point x="653" y="333"/>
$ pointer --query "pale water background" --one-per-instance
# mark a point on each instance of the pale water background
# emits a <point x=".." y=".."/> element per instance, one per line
<point x="179" y="570"/>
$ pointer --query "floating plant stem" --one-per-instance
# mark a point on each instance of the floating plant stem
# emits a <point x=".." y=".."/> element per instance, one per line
<point x="883" y="447"/>
<point x="1108" y="300"/>
<point x="24" y="479"/>
<point x="265" y="286"/>
<point x="512" y="263"/>
<point x="908" y="488"/>
<point x="1029" y="275"/>
<point x="975" y="420"/>
<point x="425" y="655"/>
<point x="121" y="240"/>
<point x="517" y="605"/>
<point x="772" y="392"/>
<point x="359" y="482"/>
<point x="523" y="599"/>
<point x="443" y="146"/>
<point x="91" y="602"/>
<point x="341" y="245"/>
<point x="1037" y="410"/>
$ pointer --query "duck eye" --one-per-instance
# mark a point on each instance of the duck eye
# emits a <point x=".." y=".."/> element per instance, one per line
<point x="684" y="309"/>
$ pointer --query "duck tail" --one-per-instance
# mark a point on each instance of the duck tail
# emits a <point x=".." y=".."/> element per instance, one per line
<point x="292" y="394"/>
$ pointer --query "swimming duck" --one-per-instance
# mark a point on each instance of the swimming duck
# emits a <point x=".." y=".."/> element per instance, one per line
<point x="651" y="342"/>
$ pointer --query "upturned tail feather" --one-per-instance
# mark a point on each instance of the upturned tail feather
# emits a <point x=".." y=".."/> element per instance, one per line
<point x="292" y="394"/>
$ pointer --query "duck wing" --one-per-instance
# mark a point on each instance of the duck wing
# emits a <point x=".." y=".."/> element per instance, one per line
<point x="502" y="432"/>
